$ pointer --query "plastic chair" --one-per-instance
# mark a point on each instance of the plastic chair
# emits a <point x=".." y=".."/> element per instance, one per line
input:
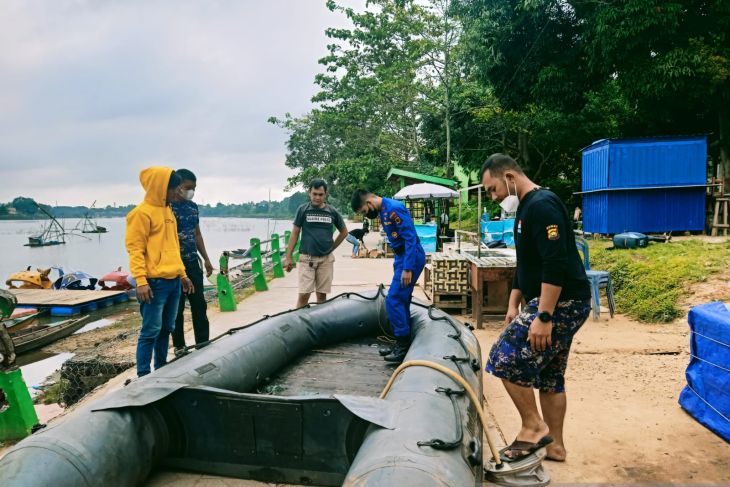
<point x="597" y="280"/>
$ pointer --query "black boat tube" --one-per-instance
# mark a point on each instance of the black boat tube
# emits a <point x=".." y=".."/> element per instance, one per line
<point x="115" y="441"/>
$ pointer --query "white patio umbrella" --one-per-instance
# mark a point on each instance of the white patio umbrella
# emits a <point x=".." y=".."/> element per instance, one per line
<point x="425" y="191"/>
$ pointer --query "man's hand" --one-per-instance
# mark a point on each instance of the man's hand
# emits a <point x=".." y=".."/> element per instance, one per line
<point x="512" y="313"/>
<point x="540" y="335"/>
<point x="288" y="264"/>
<point x="405" y="278"/>
<point x="144" y="294"/>
<point x="187" y="285"/>
<point x="208" y="268"/>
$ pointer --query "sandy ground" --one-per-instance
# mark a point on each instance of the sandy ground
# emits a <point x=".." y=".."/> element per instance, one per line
<point x="624" y="424"/>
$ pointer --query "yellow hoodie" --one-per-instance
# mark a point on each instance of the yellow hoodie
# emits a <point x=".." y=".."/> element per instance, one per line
<point x="151" y="240"/>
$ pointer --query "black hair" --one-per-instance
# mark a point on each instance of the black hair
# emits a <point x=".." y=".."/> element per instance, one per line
<point x="358" y="198"/>
<point x="497" y="164"/>
<point x="186" y="175"/>
<point x="175" y="180"/>
<point x="317" y="183"/>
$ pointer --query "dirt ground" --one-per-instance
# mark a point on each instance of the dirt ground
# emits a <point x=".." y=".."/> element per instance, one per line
<point x="624" y="423"/>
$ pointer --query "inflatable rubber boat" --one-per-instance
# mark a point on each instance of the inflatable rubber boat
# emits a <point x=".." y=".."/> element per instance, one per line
<point x="293" y="398"/>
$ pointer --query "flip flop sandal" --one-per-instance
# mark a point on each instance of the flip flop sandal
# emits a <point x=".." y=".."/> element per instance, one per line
<point x="521" y="449"/>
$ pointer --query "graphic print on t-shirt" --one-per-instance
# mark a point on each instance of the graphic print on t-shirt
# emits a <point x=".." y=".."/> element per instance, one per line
<point x="319" y="218"/>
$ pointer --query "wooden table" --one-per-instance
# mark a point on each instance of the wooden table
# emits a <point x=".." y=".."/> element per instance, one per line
<point x="493" y="274"/>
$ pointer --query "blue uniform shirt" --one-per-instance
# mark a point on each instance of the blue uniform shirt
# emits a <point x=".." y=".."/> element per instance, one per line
<point x="400" y="231"/>
<point x="187" y="216"/>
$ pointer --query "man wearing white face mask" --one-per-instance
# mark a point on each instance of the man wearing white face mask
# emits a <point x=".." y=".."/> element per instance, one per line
<point x="532" y="351"/>
<point x="191" y="243"/>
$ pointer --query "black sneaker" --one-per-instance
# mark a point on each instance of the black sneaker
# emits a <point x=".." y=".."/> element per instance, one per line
<point x="180" y="352"/>
<point x="399" y="350"/>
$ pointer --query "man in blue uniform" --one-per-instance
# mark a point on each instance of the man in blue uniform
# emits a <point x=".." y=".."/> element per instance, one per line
<point x="409" y="262"/>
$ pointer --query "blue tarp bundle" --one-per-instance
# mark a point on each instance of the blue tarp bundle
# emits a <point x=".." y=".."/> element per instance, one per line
<point x="707" y="394"/>
<point x="498" y="230"/>
<point x="427" y="234"/>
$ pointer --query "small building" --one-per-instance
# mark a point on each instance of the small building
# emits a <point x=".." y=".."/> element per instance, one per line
<point x="649" y="185"/>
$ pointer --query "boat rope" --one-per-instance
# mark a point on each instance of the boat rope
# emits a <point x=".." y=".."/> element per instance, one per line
<point x="459" y="380"/>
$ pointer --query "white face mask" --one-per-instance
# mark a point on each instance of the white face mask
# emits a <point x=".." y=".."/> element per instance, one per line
<point x="511" y="202"/>
<point x="188" y="195"/>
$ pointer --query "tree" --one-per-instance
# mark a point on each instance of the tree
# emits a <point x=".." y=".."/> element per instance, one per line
<point x="25" y="206"/>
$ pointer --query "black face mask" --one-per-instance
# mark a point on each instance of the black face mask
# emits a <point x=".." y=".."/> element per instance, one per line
<point x="372" y="213"/>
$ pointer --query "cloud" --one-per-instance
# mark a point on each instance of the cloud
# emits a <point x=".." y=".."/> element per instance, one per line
<point x="93" y="91"/>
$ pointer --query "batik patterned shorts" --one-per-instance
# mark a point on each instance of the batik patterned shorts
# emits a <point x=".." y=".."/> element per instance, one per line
<point x="512" y="358"/>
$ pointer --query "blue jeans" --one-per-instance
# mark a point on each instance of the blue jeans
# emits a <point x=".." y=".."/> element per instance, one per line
<point x="355" y="244"/>
<point x="158" y="321"/>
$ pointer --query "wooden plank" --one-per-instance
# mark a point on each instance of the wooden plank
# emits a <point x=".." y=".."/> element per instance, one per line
<point x="52" y="297"/>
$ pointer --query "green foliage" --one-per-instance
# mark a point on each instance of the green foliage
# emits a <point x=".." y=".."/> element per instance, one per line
<point x="649" y="283"/>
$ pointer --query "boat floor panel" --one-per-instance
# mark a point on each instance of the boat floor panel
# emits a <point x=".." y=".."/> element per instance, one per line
<point x="352" y="367"/>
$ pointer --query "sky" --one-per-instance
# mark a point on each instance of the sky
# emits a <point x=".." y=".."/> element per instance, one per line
<point x="93" y="91"/>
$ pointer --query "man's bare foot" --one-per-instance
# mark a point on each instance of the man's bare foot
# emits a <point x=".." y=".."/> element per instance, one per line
<point x="556" y="453"/>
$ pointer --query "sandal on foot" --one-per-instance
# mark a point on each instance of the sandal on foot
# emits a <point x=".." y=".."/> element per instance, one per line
<point x="522" y="449"/>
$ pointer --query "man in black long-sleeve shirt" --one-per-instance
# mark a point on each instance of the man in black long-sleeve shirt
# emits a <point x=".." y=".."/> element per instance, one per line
<point x="532" y="351"/>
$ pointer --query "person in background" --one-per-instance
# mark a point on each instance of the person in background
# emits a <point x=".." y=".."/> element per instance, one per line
<point x="315" y="221"/>
<point x="191" y="244"/>
<point x="366" y="225"/>
<point x="410" y="258"/>
<point x="155" y="264"/>
<point x="355" y="237"/>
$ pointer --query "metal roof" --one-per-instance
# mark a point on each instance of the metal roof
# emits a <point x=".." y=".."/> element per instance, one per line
<point x="420" y="177"/>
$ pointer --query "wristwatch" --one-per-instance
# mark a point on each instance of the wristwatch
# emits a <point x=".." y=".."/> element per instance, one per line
<point x="545" y="317"/>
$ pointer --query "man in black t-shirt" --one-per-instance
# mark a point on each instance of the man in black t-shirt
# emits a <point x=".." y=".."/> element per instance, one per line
<point x="316" y="221"/>
<point x="532" y="351"/>
<point x="355" y="237"/>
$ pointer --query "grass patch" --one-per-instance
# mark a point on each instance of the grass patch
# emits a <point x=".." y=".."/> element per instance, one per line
<point x="649" y="283"/>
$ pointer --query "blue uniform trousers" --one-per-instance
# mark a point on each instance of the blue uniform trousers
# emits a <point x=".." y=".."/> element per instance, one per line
<point x="398" y="301"/>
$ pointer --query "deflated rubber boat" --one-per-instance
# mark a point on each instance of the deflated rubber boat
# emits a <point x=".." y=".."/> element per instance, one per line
<point x="292" y="398"/>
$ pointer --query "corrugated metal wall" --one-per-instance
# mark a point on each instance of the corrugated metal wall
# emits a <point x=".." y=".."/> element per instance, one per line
<point x="647" y="211"/>
<point x="595" y="166"/>
<point x="675" y="162"/>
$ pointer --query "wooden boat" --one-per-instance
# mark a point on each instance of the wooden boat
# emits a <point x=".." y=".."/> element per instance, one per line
<point x="294" y="398"/>
<point x="52" y="234"/>
<point x="42" y="335"/>
<point x="21" y="321"/>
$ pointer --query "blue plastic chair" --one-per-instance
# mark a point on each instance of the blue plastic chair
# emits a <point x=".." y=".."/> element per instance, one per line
<point x="597" y="280"/>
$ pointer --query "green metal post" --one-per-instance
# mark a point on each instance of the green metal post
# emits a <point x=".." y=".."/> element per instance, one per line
<point x="226" y="298"/>
<point x="295" y="254"/>
<point x="257" y="266"/>
<point x="18" y="419"/>
<point x="276" y="256"/>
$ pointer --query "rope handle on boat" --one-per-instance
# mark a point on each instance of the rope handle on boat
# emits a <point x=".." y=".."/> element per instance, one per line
<point x="459" y="380"/>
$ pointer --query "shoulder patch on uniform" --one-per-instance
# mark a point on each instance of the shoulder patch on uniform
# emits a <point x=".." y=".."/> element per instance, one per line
<point x="552" y="232"/>
<point x="394" y="234"/>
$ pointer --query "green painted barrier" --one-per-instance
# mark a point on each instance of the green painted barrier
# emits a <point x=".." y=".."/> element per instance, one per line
<point x="226" y="297"/>
<point x="276" y="256"/>
<point x="257" y="266"/>
<point x="18" y="417"/>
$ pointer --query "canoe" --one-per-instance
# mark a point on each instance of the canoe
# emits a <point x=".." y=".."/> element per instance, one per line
<point x="39" y="336"/>
<point x="25" y="320"/>
<point x="292" y="398"/>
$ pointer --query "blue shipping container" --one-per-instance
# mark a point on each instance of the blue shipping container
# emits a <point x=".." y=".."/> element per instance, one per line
<point x="646" y="211"/>
<point x="636" y="163"/>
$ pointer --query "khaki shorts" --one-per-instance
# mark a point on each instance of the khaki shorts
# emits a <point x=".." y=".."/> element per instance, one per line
<point x="315" y="273"/>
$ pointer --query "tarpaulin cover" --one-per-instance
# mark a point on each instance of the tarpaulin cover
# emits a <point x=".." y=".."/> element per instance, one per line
<point x="707" y="394"/>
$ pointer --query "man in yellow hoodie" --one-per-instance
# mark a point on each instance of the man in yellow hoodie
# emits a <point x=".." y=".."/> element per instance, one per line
<point x="155" y="264"/>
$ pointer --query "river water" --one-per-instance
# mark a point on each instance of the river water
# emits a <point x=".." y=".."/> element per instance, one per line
<point x="102" y="253"/>
<point x="99" y="254"/>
